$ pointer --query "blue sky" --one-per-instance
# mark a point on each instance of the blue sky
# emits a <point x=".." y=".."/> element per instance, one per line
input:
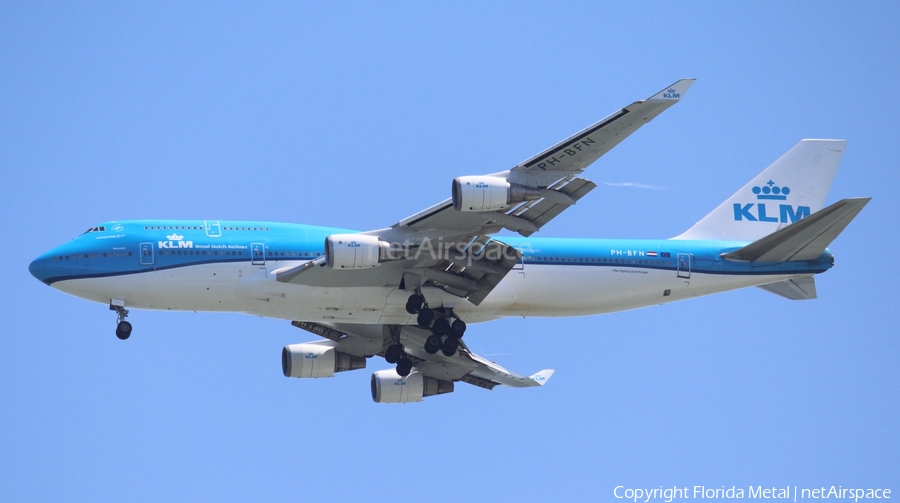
<point x="357" y="115"/>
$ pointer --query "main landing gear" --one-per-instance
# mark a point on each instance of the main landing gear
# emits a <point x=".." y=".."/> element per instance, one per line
<point x="446" y="328"/>
<point x="123" y="328"/>
<point x="446" y="331"/>
<point x="395" y="354"/>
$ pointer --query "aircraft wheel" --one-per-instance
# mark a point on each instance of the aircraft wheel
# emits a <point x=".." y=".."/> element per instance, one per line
<point x="404" y="367"/>
<point x="441" y="326"/>
<point x="450" y="346"/>
<point x="432" y="344"/>
<point x="457" y="329"/>
<point x="123" y="330"/>
<point x="393" y="353"/>
<point x="415" y="303"/>
<point x="426" y="316"/>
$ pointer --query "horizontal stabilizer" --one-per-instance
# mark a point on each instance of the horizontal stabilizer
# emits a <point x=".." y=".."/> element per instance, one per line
<point x="794" y="289"/>
<point x="803" y="240"/>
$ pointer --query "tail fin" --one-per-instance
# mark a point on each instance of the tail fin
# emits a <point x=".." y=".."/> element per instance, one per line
<point x="791" y="188"/>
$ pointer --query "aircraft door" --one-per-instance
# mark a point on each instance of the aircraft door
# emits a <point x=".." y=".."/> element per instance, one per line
<point x="213" y="229"/>
<point x="258" y="254"/>
<point x="147" y="254"/>
<point x="684" y="265"/>
<point x="520" y="265"/>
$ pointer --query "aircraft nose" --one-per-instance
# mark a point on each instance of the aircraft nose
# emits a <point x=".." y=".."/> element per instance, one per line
<point x="41" y="267"/>
<point x="38" y="267"/>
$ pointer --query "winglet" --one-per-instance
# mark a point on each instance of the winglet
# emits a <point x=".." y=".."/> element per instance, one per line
<point x="673" y="92"/>
<point x="543" y="376"/>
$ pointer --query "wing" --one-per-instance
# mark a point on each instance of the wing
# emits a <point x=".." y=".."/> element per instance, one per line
<point x="465" y="366"/>
<point x="450" y="247"/>
<point x="554" y="172"/>
<point x="583" y="148"/>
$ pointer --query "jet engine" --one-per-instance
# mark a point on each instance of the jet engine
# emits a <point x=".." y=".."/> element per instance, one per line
<point x="355" y="251"/>
<point x="389" y="387"/>
<point x="317" y="359"/>
<point x="489" y="193"/>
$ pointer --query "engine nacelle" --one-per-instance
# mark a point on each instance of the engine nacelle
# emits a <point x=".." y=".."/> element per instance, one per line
<point x="355" y="251"/>
<point x="489" y="193"/>
<point x="389" y="387"/>
<point x="317" y="359"/>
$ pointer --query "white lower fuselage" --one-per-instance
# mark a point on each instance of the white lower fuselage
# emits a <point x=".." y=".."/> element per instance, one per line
<point x="533" y="290"/>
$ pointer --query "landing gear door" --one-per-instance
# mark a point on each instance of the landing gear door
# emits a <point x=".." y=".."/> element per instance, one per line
<point x="146" y="253"/>
<point x="684" y="265"/>
<point x="258" y="254"/>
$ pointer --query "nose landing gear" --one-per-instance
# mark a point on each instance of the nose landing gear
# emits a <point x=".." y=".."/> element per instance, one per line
<point x="123" y="328"/>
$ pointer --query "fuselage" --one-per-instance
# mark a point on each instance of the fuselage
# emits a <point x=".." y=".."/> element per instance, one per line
<point x="197" y="265"/>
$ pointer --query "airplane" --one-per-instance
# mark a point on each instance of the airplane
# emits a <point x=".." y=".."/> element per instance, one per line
<point x="407" y="292"/>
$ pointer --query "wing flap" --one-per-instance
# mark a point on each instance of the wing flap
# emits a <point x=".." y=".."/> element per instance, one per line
<point x="543" y="210"/>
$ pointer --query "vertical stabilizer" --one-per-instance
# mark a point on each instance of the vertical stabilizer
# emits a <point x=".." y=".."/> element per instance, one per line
<point x="791" y="188"/>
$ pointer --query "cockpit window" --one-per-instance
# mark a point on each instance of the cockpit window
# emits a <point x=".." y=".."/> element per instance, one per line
<point x="95" y="229"/>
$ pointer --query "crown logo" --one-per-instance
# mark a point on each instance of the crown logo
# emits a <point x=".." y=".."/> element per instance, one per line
<point x="771" y="191"/>
<point x="174" y="237"/>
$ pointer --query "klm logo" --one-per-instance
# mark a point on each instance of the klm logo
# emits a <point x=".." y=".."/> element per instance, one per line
<point x="175" y="241"/>
<point x="671" y="94"/>
<point x="350" y="244"/>
<point x="481" y="185"/>
<point x="763" y="212"/>
<point x="311" y="356"/>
